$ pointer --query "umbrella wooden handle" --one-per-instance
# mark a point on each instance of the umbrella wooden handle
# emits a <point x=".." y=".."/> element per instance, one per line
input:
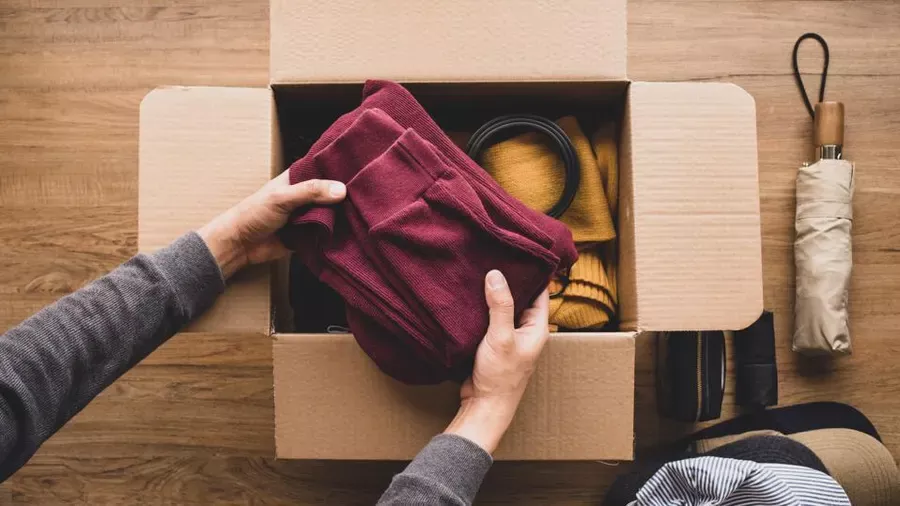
<point x="829" y="124"/>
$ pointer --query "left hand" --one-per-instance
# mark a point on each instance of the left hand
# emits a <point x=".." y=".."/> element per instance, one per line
<point x="245" y="234"/>
<point x="504" y="362"/>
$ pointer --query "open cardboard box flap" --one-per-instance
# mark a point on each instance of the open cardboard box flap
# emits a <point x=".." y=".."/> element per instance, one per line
<point x="690" y="208"/>
<point x="446" y="40"/>
<point x="201" y="150"/>
<point x="689" y="237"/>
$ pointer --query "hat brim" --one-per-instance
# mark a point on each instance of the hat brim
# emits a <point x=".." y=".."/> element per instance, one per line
<point x="862" y="465"/>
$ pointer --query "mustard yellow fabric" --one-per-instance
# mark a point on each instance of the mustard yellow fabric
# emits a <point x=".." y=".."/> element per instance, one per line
<point x="587" y="300"/>
<point x="603" y="141"/>
<point x="530" y="169"/>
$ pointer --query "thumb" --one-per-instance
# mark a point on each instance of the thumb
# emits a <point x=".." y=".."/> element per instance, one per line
<point x="500" y="305"/>
<point x="312" y="191"/>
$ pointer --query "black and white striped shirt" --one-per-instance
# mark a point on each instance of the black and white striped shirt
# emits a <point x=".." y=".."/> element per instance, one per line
<point x="715" y="481"/>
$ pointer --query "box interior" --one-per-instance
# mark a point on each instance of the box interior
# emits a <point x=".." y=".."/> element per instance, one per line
<point x="580" y="402"/>
<point x="305" y="111"/>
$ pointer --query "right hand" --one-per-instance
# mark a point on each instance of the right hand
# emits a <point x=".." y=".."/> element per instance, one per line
<point x="504" y="362"/>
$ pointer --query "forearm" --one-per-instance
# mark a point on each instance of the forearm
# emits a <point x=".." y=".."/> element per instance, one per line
<point x="55" y="362"/>
<point x="484" y="422"/>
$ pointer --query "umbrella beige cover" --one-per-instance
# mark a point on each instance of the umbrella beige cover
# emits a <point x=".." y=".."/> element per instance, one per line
<point x="822" y="246"/>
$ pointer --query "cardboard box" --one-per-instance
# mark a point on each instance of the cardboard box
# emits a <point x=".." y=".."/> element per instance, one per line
<point x="689" y="226"/>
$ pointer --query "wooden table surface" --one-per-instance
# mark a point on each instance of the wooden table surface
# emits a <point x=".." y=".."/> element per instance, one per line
<point x="193" y="423"/>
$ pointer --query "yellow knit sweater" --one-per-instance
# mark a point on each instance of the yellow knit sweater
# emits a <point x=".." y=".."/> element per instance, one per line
<point x="530" y="169"/>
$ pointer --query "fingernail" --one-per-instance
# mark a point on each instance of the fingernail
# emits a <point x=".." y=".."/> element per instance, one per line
<point x="495" y="280"/>
<point x="336" y="189"/>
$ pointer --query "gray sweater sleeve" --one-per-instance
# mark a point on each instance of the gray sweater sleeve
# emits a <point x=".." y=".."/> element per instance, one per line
<point x="55" y="362"/>
<point x="448" y="471"/>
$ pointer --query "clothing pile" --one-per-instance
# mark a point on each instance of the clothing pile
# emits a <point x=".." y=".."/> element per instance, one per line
<point x="420" y="228"/>
<point x="529" y="167"/>
<point x="821" y="453"/>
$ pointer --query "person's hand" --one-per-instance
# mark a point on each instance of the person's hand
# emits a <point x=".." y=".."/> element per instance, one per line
<point x="504" y="362"/>
<point x="245" y="234"/>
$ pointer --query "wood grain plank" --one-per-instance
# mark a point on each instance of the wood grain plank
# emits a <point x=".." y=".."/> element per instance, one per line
<point x="221" y="408"/>
<point x="197" y="478"/>
<point x="690" y="39"/>
<point x="181" y="42"/>
<point x="48" y="252"/>
<point x="68" y="149"/>
<point x="204" y="478"/>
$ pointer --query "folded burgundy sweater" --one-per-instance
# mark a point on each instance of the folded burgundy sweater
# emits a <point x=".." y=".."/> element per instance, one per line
<point x="410" y="246"/>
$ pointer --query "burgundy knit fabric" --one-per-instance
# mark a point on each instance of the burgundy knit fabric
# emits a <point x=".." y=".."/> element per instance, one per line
<point x="410" y="246"/>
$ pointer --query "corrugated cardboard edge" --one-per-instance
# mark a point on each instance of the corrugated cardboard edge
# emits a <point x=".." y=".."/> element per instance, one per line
<point x="695" y="217"/>
<point x="202" y="150"/>
<point x="626" y="276"/>
<point x="447" y="40"/>
<point x="578" y="406"/>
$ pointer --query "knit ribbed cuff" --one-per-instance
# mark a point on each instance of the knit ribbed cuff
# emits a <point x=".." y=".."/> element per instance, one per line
<point x="586" y="301"/>
<point x="192" y="272"/>
<point x="453" y="461"/>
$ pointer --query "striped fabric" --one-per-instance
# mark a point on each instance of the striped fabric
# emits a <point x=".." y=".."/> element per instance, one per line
<point x="715" y="481"/>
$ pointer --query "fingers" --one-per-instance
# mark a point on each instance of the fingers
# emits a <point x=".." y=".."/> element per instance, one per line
<point x="538" y="314"/>
<point x="313" y="191"/>
<point x="533" y="332"/>
<point x="500" y="305"/>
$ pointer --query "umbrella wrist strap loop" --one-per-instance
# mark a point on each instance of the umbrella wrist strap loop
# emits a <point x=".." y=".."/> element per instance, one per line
<point x="818" y="38"/>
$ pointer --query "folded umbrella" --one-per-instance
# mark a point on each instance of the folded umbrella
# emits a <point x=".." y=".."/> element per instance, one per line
<point x="822" y="246"/>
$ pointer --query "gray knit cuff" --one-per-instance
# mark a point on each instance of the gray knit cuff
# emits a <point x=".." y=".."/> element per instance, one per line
<point x="453" y="461"/>
<point x="192" y="272"/>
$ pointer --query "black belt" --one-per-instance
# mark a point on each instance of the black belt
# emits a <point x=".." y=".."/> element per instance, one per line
<point x="482" y="138"/>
